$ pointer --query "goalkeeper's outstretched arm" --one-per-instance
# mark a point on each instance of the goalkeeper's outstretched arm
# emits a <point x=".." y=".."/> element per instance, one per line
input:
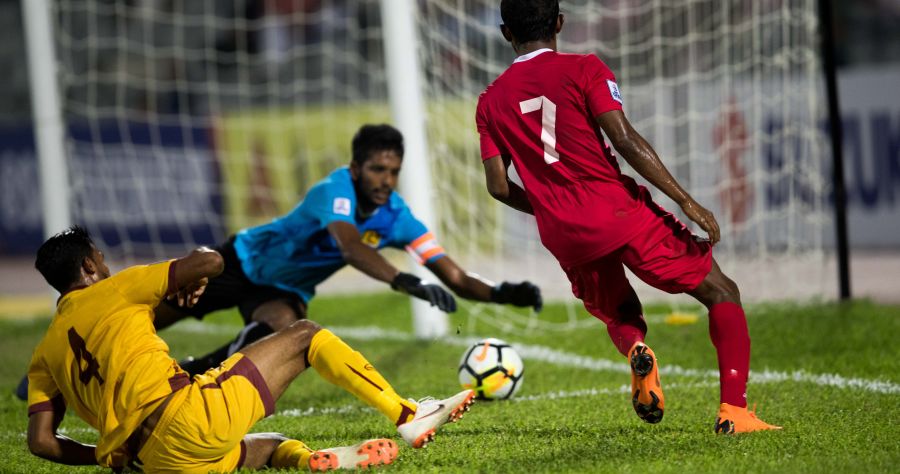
<point x="369" y="261"/>
<point x="474" y="287"/>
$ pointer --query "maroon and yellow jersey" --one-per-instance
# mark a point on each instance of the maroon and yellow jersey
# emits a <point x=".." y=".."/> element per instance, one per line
<point x="102" y="358"/>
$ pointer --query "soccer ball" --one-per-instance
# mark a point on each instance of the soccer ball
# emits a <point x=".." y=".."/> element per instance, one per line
<point x="492" y="368"/>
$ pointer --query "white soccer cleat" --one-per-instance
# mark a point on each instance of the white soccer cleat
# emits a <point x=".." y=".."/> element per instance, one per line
<point x="374" y="452"/>
<point x="431" y="414"/>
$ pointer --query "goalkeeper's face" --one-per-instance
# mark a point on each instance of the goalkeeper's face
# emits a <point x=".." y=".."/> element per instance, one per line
<point x="376" y="177"/>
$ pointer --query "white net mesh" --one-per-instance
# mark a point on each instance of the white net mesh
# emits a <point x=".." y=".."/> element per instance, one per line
<point x="190" y="120"/>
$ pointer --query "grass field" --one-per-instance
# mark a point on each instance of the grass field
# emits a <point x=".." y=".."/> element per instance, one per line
<point x="830" y="374"/>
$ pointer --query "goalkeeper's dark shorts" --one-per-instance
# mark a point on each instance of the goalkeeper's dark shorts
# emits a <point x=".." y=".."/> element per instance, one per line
<point x="233" y="289"/>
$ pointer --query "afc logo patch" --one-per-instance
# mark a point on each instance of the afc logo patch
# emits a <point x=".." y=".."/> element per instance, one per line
<point x="614" y="91"/>
<point x="341" y="206"/>
<point x="371" y="238"/>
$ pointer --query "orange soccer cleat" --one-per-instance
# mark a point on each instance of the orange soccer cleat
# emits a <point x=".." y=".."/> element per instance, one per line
<point x="646" y="392"/>
<point x="374" y="452"/>
<point x="733" y="420"/>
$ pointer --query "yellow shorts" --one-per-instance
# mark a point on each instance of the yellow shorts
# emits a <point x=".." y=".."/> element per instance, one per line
<point x="203" y="427"/>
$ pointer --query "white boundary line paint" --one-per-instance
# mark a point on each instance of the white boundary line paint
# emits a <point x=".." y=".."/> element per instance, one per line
<point x="568" y="359"/>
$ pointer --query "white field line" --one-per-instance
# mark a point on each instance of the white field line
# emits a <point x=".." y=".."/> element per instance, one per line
<point x="568" y="359"/>
<point x="555" y="395"/>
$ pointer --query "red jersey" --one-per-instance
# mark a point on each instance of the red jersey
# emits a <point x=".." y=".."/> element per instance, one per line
<point x="540" y="114"/>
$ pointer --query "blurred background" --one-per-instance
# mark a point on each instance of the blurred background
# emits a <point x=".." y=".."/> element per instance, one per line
<point x="185" y="121"/>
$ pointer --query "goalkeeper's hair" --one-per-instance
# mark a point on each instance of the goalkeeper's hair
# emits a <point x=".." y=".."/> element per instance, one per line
<point x="59" y="259"/>
<point x="530" y="20"/>
<point x="371" y="139"/>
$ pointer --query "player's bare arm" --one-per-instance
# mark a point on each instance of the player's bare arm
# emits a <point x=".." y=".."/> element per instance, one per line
<point x="466" y="285"/>
<point x="635" y="150"/>
<point x="369" y="261"/>
<point x="45" y="442"/>
<point x="502" y="189"/>
<point x="193" y="272"/>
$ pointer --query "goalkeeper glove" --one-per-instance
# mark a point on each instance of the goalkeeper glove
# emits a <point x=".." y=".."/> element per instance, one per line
<point x="518" y="294"/>
<point x="434" y="294"/>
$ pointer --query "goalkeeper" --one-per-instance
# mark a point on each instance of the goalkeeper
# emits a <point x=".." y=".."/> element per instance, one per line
<point x="271" y="271"/>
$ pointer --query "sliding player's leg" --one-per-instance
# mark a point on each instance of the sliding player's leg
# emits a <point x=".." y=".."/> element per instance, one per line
<point x="607" y="294"/>
<point x="729" y="334"/>
<point x="305" y="342"/>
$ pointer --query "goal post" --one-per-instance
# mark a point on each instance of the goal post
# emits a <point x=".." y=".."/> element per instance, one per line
<point x="47" y="116"/>
<point x="405" y="93"/>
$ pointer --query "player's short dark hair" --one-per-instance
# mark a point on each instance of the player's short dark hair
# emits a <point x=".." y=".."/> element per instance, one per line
<point x="374" y="138"/>
<point x="530" y="20"/>
<point x="59" y="259"/>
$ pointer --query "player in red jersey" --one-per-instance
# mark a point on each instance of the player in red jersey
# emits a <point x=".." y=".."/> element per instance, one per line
<point x="545" y="114"/>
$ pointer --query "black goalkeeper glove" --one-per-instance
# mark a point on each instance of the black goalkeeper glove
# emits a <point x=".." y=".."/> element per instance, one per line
<point x="434" y="294"/>
<point x="518" y="294"/>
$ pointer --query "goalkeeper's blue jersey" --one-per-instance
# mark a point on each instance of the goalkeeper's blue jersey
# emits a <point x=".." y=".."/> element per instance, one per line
<point x="295" y="252"/>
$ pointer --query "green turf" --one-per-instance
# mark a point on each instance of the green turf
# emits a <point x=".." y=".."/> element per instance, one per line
<point x="828" y="428"/>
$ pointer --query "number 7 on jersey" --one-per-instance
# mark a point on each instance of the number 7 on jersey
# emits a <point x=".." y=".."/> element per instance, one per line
<point x="548" y="124"/>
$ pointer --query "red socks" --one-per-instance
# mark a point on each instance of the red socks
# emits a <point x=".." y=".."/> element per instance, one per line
<point x="728" y="331"/>
<point x="625" y="333"/>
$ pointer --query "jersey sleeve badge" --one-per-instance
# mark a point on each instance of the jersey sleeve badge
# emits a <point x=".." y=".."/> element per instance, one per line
<point x="371" y="238"/>
<point x="614" y="91"/>
<point x="341" y="206"/>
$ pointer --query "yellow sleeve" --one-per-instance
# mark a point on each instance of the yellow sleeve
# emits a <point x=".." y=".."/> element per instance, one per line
<point x="43" y="394"/>
<point x="146" y="284"/>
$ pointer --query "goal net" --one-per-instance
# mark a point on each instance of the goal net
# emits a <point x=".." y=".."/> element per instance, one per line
<point x="187" y="121"/>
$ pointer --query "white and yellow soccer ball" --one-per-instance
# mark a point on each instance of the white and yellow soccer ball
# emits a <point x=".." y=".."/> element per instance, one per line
<point x="492" y="368"/>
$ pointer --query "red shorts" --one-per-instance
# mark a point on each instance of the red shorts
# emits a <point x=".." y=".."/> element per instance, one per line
<point x="666" y="255"/>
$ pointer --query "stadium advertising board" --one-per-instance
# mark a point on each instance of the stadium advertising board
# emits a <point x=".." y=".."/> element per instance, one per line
<point x="269" y="159"/>
<point x="133" y="184"/>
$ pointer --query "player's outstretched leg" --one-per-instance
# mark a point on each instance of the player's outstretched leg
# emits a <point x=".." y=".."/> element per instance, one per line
<point x="729" y="334"/>
<point x="646" y="391"/>
<point x="338" y="363"/>
<point x="432" y="414"/>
